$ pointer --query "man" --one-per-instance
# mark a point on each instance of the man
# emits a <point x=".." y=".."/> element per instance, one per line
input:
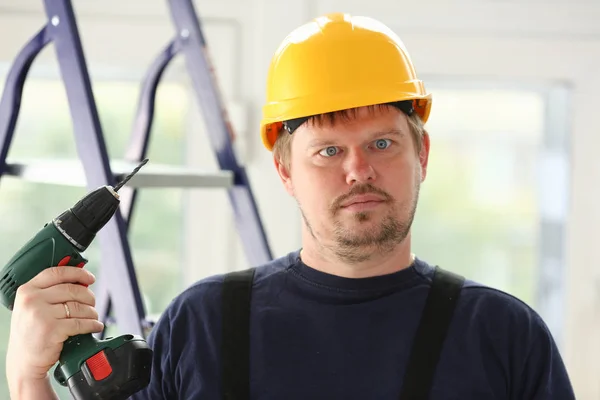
<point x="353" y="314"/>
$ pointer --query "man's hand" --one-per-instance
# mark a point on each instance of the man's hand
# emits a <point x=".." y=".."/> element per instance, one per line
<point x="53" y="306"/>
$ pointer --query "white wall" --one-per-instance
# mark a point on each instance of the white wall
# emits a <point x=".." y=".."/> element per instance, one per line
<point x="527" y="40"/>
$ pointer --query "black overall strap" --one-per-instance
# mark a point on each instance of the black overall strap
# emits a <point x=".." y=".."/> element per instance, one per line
<point x="235" y="334"/>
<point x="426" y="349"/>
<point x="429" y="339"/>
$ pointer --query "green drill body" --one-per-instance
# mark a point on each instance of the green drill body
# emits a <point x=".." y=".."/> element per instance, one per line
<point x="46" y="249"/>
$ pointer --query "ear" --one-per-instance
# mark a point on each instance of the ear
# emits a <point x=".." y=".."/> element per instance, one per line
<point x="284" y="175"/>
<point x="424" y="155"/>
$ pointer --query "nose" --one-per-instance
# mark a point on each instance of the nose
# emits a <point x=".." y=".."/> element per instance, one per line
<point x="358" y="168"/>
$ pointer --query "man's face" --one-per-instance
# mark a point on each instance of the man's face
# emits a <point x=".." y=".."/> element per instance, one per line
<point x="357" y="181"/>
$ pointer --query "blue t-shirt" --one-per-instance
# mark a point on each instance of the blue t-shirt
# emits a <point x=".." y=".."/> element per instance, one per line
<point x="320" y="336"/>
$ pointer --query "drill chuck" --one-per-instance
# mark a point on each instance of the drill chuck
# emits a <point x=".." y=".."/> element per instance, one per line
<point x="80" y="223"/>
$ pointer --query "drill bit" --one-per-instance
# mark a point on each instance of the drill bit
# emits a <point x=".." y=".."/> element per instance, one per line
<point x="128" y="177"/>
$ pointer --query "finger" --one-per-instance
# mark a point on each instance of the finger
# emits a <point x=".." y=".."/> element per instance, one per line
<point x="65" y="292"/>
<point x="55" y="275"/>
<point x="73" y="309"/>
<point x="67" y="328"/>
<point x="76" y="326"/>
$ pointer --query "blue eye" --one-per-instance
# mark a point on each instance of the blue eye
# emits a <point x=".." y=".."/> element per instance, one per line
<point x="382" y="144"/>
<point x="329" y="151"/>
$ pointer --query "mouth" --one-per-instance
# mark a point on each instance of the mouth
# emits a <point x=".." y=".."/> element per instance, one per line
<point x="364" y="199"/>
<point x="363" y="203"/>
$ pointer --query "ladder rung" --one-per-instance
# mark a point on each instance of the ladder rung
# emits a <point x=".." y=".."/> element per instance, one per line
<point x="71" y="173"/>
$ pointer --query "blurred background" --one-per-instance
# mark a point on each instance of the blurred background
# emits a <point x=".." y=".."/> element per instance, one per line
<point x="510" y="197"/>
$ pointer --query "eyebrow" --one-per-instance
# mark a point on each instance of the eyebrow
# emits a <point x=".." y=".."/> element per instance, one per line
<point x="391" y="132"/>
<point x="378" y="134"/>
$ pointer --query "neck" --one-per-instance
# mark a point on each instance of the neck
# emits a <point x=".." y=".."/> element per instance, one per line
<point x="324" y="260"/>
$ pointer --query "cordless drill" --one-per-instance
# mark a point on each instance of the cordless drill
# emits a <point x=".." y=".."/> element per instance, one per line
<point x="113" y="368"/>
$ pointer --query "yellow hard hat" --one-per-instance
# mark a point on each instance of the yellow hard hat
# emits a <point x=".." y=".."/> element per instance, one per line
<point x="335" y="62"/>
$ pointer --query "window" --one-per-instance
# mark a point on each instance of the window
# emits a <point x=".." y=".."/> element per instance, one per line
<point x="481" y="213"/>
<point x="45" y="130"/>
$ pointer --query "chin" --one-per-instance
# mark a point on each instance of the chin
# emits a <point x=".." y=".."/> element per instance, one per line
<point x="370" y="227"/>
<point x="364" y="217"/>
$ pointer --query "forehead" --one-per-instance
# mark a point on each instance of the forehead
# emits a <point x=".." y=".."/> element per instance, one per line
<point x="356" y="123"/>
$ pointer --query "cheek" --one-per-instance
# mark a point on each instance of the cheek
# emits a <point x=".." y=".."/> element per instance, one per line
<point x="400" y="179"/>
<point x="314" y="188"/>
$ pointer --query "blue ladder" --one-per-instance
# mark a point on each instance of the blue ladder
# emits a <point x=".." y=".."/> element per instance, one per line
<point x="122" y="297"/>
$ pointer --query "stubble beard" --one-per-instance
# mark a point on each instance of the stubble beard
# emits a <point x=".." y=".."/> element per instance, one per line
<point x="354" y="246"/>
